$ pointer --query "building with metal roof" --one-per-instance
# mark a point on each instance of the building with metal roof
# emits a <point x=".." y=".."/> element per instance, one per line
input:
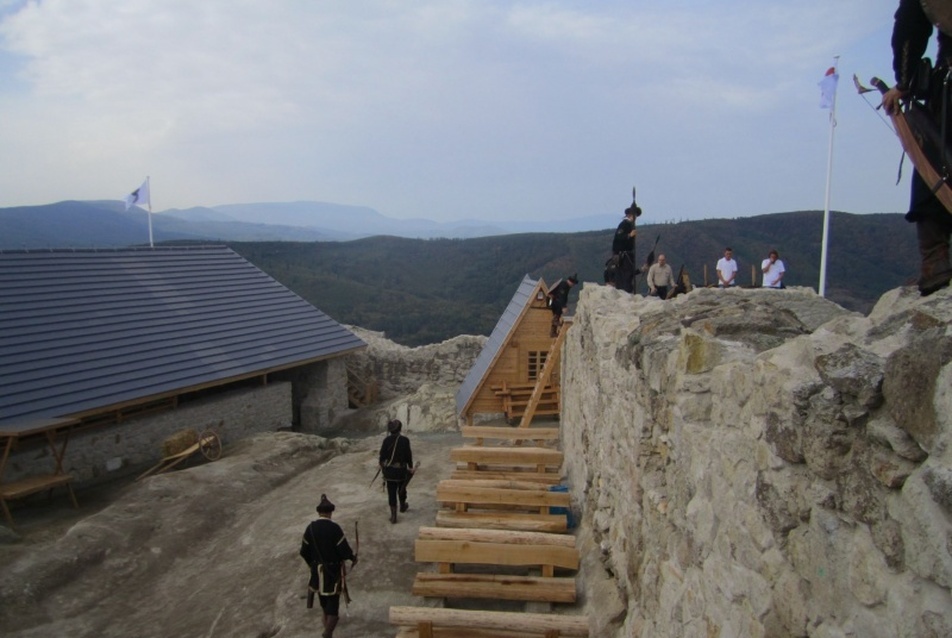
<point x="88" y="332"/>
<point x="512" y="359"/>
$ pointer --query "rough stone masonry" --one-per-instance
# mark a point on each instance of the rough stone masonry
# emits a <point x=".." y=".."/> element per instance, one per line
<point x="762" y="463"/>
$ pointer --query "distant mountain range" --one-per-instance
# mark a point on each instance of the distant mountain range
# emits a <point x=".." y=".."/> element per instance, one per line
<point x="106" y="224"/>
<point x="422" y="281"/>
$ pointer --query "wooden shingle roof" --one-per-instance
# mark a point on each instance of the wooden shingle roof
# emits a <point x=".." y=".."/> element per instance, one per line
<point x="85" y="330"/>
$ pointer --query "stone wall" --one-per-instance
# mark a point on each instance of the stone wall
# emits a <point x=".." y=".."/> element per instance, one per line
<point x="761" y="463"/>
<point x="401" y="370"/>
<point x="104" y="452"/>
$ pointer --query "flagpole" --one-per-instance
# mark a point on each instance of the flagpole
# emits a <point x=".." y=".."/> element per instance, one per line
<point x="829" y="174"/>
<point x="149" y="190"/>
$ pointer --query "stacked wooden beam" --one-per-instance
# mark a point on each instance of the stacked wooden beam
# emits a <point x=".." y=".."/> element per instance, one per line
<point x="497" y="538"/>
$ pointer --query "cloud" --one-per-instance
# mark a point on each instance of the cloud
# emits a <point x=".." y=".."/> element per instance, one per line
<point x="420" y="108"/>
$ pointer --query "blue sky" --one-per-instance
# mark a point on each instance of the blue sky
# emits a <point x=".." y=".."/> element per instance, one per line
<point x="448" y="109"/>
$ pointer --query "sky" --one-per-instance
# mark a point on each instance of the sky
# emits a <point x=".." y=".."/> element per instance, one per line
<point x="449" y="109"/>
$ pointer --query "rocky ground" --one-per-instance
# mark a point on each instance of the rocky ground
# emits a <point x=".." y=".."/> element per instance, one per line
<point x="212" y="550"/>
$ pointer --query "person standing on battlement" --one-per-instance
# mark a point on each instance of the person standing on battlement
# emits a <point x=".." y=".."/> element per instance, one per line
<point x="912" y="29"/>
<point x="623" y="248"/>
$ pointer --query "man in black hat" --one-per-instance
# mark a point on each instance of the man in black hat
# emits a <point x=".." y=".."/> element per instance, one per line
<point x="396" y="463"/>
<point x="559" y="300"/>
<point x="325" y="548"/>
<point x="910" y="38"/>
<point x="623" y="248"/>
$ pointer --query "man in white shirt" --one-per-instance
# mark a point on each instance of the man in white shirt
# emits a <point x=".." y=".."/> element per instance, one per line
<point x="726" y="269"/>
<point x="773" y="270"/>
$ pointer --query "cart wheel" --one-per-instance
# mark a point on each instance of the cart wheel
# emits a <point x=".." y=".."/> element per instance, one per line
<point x="210" y="445"/>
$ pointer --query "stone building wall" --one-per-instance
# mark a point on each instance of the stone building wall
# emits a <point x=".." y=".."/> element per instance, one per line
<point x="319" y="393"/>
<point x="761" y="463"/>
<point x="104" y="452"/>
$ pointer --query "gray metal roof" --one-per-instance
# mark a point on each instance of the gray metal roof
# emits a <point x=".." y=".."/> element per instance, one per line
<point x="497" y="339"/>
<point x="83" y="330"/>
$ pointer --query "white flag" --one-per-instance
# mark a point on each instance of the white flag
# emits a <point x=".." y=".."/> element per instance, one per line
<point x="828" y="88"/>
<point x="138" y="197"/>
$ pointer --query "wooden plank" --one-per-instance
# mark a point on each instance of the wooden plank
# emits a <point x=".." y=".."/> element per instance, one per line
<point x="570" y="626"/>
<point x="546" y="478"/>
<point x="507" y="455"/>
<point x="469" y="632"/>
<point x="510" y="434"/>
<point x="461" y="492"/>
<point x="495" y="586"/>
<point x="514" y="387"/>
<point x="510" y="484"/>
<point x="33" y="484"/>
<point x="504" y="521"/>
<point x="470" y="553"/>
<point x="496" y="536"/>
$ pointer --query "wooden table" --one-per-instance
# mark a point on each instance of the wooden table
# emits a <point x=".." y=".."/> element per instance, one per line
<point x="56" y="433"/>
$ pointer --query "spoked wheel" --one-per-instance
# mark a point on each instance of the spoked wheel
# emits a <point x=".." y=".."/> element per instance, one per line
<point x="209" y="444"/>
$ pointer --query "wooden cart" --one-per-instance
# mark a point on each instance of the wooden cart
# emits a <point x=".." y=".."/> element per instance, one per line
<point x="208" y="444"/>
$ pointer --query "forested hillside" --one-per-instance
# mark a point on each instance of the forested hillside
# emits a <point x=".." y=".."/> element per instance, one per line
<point x="425" y="291"/>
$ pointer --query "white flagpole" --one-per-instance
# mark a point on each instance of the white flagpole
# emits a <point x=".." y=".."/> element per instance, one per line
<point x="149" y="188"/>
<point x="829" y="174"/>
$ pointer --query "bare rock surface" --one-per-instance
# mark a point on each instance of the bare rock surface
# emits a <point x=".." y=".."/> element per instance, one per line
<point x="212" y="550"/>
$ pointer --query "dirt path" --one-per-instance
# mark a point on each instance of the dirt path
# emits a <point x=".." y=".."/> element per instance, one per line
<point x="212" y="550"/>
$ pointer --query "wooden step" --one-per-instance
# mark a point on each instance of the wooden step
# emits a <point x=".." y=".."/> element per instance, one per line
<point x="428" y="619"/>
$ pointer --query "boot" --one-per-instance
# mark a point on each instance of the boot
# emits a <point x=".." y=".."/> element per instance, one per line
<point x="934" y="250"/>
<point x="393" y="513"/>
<point x="329" y="626"/>
<point x="404" y="506"/>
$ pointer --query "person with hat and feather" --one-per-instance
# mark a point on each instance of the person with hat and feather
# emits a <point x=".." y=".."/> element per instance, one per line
<point x="623" y="250"/>
<point x="324" y="548"/>
<point x="396" y="463"/>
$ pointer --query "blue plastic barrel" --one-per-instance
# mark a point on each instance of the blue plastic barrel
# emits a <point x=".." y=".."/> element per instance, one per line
<point x="569" y="519"/>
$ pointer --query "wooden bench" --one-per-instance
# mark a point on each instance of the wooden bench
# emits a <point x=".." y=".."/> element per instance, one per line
<point x="507" y="505"/>
<point x="539" y="436"/>
<point x="432" y="622"/>
<point x="32" y="485"/>
<point x="483" y="547"/>
<point x="48" y="429"/>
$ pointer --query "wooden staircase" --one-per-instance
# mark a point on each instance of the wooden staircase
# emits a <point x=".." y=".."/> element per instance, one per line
<point x="544" y="378"/>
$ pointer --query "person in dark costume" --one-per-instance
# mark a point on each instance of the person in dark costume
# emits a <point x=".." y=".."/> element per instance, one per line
<point x="558" y="301"/>
<point x="910" y="38"/>
<point x="623" y="247"/>
<point x="324" y="548"/>
<point x="396" y="463"/>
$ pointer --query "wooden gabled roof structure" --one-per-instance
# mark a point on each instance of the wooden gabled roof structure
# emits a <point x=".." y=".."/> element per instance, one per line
<point x="503" y="377"/>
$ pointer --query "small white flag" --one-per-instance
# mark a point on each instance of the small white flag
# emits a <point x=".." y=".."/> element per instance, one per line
<point x="828" y="88"/>
<point x="138" y="197"/>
